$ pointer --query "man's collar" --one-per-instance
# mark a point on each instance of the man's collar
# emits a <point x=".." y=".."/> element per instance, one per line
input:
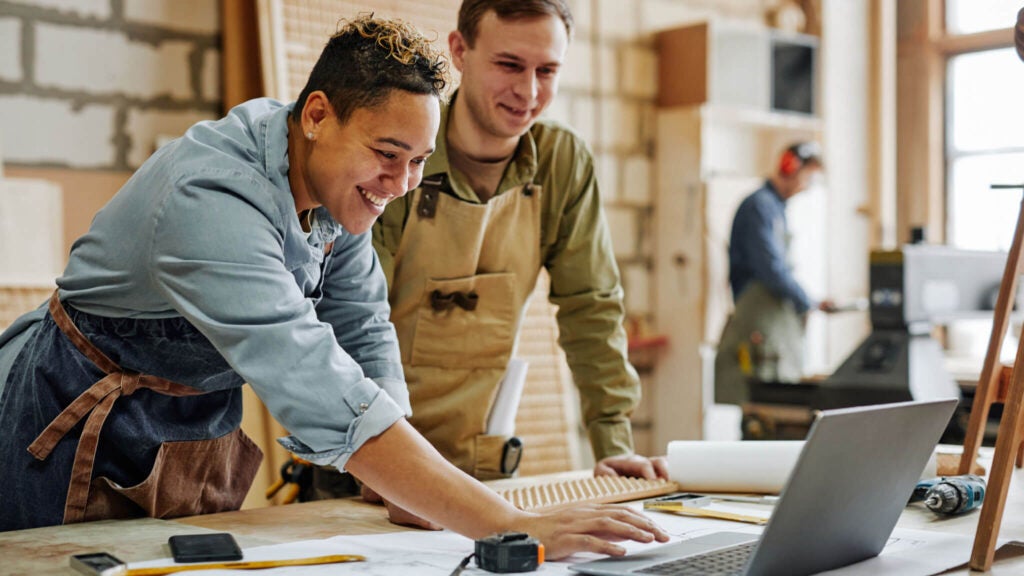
<point x="522" y="169"/>
<point x="771" y="186"/>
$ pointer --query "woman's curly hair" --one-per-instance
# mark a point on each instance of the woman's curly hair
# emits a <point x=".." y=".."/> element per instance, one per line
<point x="368" y="58"/>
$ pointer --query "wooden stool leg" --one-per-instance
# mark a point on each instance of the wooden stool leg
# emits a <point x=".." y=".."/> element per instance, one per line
<point x="987" y="383"/>
<point x="1007" y="442"/>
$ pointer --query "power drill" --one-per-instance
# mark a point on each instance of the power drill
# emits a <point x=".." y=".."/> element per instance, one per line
<point x="950" y="495"/>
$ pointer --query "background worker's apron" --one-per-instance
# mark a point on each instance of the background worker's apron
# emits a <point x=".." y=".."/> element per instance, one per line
<point x="780" y="355"/>
<point x="85" y="439"/>
<point x="463" y="275"/>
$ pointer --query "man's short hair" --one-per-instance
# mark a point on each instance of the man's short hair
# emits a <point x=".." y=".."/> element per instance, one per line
<point x="368" y="58"/>
<point x="472" y="11"/>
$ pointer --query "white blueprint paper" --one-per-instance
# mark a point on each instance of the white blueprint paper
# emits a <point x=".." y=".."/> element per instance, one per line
<point x="908" y="553"/>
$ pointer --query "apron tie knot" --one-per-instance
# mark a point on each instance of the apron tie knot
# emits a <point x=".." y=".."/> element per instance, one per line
<point x="129" y="382"/>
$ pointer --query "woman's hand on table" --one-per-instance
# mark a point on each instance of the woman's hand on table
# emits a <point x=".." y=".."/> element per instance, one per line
<point x="590" y="528"/>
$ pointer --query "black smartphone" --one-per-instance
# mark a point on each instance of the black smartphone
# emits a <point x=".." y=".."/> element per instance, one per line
<point x="204" y="547"/>
<point x="98" y="564"/>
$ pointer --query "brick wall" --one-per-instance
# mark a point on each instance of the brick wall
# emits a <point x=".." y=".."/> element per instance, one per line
<point x="92" y="84"/>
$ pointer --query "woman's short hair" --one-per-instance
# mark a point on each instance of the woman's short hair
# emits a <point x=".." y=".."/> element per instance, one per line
<point x="369" y="57"/>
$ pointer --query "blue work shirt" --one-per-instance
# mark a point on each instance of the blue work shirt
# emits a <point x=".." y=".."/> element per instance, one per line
<point x="207" y="230"/>
<point x="758" y="248"/>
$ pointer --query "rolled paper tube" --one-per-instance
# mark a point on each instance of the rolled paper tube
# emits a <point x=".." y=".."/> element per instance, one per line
<point x="741" y="466"/>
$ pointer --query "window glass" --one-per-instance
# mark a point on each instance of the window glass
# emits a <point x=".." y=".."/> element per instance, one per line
<point x="968" y="16"/>
<point x="981" y="218"/>
<point x="984" y="146"/>
<point x="986" y="109"/>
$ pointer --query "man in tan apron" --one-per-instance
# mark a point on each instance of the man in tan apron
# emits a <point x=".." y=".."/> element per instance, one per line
<point x="763" y="339"/>
<point x="504" y="195"/>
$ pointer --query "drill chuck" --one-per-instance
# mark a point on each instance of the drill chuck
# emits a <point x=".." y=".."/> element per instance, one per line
<point x="955" y="494"/>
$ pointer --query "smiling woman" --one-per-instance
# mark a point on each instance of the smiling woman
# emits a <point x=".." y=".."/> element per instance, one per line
<point x="219" y="283"/>
<point x="364" y="125"/>
<point x="354" y="168"/>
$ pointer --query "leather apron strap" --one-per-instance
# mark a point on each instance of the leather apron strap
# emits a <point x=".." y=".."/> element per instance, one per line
<point x="96" y="403"/>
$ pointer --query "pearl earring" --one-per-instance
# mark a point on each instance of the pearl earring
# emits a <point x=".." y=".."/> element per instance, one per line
<point x="309" y="135"/>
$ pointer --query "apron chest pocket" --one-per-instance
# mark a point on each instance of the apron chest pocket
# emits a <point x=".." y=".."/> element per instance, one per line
<point x="466" y="322"/>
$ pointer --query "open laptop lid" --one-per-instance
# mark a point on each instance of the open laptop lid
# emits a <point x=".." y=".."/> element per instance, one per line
<point x="849" y="486"/>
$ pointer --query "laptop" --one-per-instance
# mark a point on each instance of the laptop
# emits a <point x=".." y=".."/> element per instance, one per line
<point x="850" y="484"/>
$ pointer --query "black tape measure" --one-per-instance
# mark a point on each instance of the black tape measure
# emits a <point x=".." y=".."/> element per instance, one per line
<point x="507" y="552"/>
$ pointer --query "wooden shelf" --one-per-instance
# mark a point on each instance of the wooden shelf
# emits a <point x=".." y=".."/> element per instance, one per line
<point x="788" y="121"/>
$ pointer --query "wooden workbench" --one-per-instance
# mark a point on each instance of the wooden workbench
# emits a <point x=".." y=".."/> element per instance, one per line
<point x="45" y="551"/>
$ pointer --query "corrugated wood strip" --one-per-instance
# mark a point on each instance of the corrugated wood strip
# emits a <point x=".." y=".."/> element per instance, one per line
<point x="601" y="489"/>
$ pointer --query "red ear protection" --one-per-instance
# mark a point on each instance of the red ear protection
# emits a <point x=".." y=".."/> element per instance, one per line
<point x="789" y="163"/>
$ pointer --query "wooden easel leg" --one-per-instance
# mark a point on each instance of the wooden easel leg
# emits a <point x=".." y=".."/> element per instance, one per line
<point x="987" y="383"/>
<point x="1020" y="444"/>
<point x="983" y="397"/>
<point x="1007" y="443"/>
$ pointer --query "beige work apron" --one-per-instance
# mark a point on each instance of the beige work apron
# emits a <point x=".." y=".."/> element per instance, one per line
<point x="463" y="275"/>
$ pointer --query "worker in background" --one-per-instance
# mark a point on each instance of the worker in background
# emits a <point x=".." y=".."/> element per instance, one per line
<point x="505" y="195"/>
<point x="763" y="338"/>
<point x="241" y="253"/>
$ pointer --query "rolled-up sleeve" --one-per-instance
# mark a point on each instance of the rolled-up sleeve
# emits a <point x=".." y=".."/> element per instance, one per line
<point x="355" y="305"/>
<point x="218" y="258"/>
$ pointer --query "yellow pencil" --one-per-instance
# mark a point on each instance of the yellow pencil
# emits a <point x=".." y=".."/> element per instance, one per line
<point x="253" y="565"/>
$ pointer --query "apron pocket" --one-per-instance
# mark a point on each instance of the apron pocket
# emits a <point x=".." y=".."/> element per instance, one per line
<point x="188" y="478"/>
<point x="466" y="323"/>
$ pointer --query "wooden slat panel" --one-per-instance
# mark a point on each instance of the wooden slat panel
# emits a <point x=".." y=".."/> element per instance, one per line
<point x="546" y="421"/>
<point x="17" y="300"/>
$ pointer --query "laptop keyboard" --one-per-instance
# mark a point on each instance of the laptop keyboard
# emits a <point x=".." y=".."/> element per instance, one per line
<point x="724" y="562"/>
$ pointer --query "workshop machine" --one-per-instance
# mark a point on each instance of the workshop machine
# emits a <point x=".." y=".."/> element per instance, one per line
<point x="912" y="290"/>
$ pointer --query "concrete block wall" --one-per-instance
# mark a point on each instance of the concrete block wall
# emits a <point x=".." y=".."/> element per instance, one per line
<point x="92" y="84"/>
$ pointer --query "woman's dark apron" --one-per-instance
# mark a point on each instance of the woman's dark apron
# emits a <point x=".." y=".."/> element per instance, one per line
<point x="87" y="438"/>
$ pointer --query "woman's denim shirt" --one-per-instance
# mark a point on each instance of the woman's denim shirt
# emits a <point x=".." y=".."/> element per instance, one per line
<point x="207" y="230"/>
